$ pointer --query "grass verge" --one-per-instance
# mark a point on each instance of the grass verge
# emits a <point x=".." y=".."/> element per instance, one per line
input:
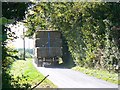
<point x="31" y="75"/>
<point x="100" y="74"/>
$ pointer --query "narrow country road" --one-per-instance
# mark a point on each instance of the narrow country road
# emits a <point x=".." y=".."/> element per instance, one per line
<point x="67" y="78"/>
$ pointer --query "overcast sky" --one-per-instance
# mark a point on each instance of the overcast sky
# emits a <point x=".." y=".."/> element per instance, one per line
<point x="18" y="43"/>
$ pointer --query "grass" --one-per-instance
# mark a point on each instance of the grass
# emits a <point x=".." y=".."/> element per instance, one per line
<point x="101" y="74"/>
<point x="25" y="68"/>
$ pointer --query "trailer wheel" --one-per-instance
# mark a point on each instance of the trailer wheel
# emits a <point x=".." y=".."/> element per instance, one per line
<point x="56" y="62"/>
<point x="41" y="62"/>
<point x="37" y="62"/>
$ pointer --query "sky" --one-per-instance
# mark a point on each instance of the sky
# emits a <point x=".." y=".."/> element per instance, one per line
<point x="18" y="43"/>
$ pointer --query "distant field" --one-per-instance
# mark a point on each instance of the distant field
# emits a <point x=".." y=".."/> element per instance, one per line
<point x="33" y="77"/>
<point x="101" y="74"/>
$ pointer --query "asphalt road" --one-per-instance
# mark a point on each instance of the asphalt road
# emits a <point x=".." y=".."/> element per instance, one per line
<point x="67" y="78"/>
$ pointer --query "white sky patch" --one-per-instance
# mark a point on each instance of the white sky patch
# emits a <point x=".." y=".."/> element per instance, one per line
<point x="18" y="43"/>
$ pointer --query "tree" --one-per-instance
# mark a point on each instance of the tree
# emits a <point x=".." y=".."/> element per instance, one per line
<point x="11" y="13"/>
<point x="91" y="30"/>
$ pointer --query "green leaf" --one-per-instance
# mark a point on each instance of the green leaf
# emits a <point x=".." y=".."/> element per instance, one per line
<point x="4" y="21"/>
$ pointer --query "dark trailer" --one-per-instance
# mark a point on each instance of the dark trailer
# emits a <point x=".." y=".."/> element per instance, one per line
<point x="48" y="47"/>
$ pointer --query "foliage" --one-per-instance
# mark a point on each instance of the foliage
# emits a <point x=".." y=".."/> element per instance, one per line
<point x="91" y="30"/>
<point x="4" y="21"/>
<point x="11" y="13"/>
<point x="27" y="50"/>
<point x="14" y="10"/>
<point x="28" y="53"/>
<point x="11" y="56"/>
<point x="10" y="82"/>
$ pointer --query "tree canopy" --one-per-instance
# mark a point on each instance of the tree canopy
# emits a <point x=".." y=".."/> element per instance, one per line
<point x="91" y="29"/>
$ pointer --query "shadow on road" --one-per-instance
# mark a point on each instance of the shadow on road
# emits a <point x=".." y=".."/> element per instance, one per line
<point x="61" y="66"/>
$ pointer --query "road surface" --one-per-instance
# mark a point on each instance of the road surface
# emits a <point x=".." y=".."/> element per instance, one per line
<point x="67" y="78"/>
